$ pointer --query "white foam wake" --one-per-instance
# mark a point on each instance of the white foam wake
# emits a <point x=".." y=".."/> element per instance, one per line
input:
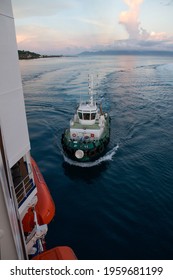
<point x="107" y="157"/>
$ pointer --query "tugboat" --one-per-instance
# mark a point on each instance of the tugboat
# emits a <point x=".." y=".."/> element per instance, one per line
<point x="89" y="133"/>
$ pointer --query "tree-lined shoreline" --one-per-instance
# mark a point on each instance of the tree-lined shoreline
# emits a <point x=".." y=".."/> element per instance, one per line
<point x="32" y="55"/>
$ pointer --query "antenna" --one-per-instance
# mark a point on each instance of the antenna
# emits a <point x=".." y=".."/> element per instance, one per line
<point x="90" y="88"/>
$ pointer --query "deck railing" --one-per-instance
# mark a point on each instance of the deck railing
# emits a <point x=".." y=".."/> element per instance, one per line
<point x="23" y="189"/>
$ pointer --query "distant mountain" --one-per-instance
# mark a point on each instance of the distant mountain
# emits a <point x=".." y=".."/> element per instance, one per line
<point x="128" y="52"/>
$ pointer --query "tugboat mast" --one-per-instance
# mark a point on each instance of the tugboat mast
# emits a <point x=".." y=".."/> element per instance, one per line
<point x="91" y="89"/>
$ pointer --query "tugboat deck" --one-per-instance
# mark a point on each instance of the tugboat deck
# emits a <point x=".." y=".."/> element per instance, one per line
<point x="77" y="125"/>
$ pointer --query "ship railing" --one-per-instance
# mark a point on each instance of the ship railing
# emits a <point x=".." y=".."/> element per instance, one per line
<point x="23" y="189"/>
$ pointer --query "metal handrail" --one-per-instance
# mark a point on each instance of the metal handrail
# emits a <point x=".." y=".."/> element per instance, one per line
<point x="23" y="188"/>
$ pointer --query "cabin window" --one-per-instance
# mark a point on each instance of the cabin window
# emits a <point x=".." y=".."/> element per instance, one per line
<point x="86" y="116"/>
<point x="80" y="115"/>
<point x="93" y="115"/>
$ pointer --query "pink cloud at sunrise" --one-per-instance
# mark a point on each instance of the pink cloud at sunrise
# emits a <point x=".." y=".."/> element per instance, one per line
<point x="73" y="26"/>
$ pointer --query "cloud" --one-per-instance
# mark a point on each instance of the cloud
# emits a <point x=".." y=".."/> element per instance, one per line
<point x="24" y="9"/>
<point x="140" y="38"/>
<point x="166" y="3"/>
<point x="69" y="27"/>
<point x="55" y="41"/>
<point x="31" y="38"/>
<point x="93" y="22"/>
<point x="154" y="42"/>
<point x="130" y="19"/>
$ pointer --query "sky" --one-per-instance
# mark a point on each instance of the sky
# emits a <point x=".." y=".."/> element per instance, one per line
<point x="72" y="26"/>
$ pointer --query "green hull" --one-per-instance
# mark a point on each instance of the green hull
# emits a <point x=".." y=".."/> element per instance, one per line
<point x="92" y="149"/>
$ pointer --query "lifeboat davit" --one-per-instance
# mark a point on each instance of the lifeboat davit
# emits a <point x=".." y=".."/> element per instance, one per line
<point x="57" y="253"/>
<point x="45" y="207"/>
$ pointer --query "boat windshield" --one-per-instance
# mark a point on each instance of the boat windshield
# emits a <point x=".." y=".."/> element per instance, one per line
<point x="80" y="115"/>
<point x="86" y="116"/>
<point x="93" y="115"/>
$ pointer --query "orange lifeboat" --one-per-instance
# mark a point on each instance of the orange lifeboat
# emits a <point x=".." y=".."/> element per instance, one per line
<point x="45" y="207"/>
<point x="57" y="253"/>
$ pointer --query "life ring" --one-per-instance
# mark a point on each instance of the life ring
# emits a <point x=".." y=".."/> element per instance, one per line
<point x="74" y="134"/>
<point x="79" y="154"/>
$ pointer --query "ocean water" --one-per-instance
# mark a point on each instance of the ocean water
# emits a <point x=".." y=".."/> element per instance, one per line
<point x="120" y="207"/>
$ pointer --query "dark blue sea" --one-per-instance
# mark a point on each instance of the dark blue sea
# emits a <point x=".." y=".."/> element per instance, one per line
<point x="120" y="207"/>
